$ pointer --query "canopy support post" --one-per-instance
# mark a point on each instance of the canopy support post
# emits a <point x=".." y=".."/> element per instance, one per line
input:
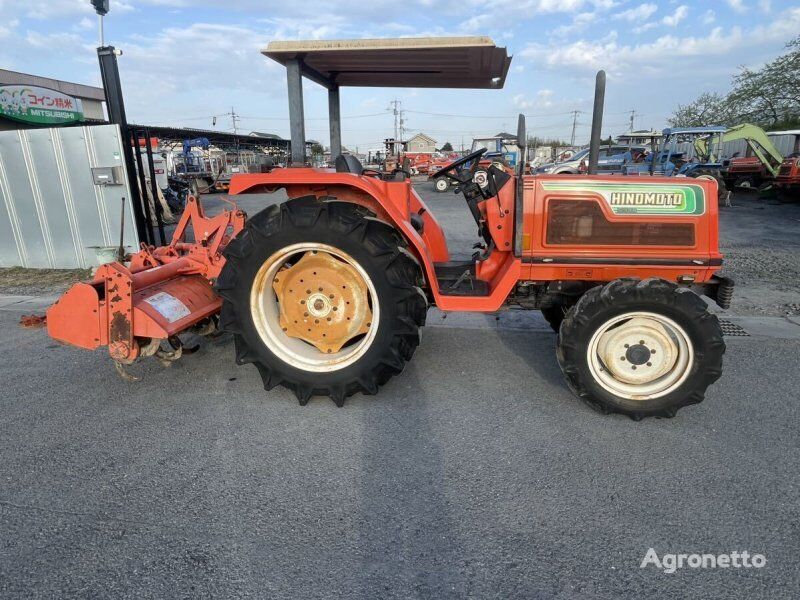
<point x="335" y="121"/>
<point x="294" y="81"/>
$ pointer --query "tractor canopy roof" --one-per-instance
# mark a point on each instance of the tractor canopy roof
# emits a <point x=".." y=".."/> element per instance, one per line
<point x="426" y="62"/>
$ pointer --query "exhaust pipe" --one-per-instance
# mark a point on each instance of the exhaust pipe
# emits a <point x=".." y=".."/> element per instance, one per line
<point x="597" y="121"/>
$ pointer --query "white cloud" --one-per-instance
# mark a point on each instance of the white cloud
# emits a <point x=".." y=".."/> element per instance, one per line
<point x="676" y="17"/>
<point x="765" y="5"/>
<point x="640" y="13"/>
<point x="737" y="5"/>
<point x="584" y="56"/>
<point x="709" y="17"/>
<point x="579" y="23"/>
<point x="645" y="27"/>
<point x="544" y="99"/>
<point x="522" y="103"/>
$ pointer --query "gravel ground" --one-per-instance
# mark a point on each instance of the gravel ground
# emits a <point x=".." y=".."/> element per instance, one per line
<point x="473" y="474"/>
<point x="761" y="243"/>
<point x="39" y="282"/>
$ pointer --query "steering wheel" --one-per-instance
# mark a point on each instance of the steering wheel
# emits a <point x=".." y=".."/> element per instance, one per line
<point x="445" y="170"/>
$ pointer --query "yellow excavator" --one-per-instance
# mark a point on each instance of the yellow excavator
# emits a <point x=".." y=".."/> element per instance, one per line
<point x="745" y="171"/>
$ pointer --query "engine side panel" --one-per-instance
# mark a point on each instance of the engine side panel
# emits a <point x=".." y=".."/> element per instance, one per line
<point x="602" y="228"/>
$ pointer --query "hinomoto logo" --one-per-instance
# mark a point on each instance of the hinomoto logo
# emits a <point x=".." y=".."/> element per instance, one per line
<point x="669" y="563"/>
<point x="646" y="198"/>
<point x="634" y="198"/>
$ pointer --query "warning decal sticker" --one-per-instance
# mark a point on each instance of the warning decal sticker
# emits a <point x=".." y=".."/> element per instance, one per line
<point x="168" y="306"/>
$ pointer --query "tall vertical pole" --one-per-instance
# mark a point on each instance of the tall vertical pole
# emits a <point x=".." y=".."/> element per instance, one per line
<point x="335" y="122"/>
<point x="154" y="187"/>
<point x="597" y="121"/>
<point x="297" y="126"/>
<point x="109" y="72"/>
<point x="574" y="125"/>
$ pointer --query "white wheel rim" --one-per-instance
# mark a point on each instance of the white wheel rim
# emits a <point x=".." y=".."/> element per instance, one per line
<point x="441" y="185"/>
<point x="480" y="178"/>
<point x="265" y="313"/>
<point x="640" y="355"/>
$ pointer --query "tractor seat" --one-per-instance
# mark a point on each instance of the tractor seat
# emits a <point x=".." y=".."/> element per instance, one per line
<point x="347" y="163"/>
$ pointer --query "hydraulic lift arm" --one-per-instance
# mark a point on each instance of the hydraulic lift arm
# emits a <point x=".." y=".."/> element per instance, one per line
<point x="756" y="139"/>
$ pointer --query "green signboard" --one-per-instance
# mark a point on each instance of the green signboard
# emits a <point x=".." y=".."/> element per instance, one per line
<point x="38" y="105"/>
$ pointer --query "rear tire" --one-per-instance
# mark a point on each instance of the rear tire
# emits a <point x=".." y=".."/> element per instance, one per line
<point x="607" y="364"/>
<point x="352" y="236"/>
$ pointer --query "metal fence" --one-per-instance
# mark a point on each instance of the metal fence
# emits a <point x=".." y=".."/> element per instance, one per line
<point x="52" y="213"/>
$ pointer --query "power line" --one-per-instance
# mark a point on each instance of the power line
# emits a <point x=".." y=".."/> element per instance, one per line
<point x="432" y="114"/>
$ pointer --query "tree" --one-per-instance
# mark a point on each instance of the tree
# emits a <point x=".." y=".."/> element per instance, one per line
<point x="448" y="147"/>
<point x="768" y="96"/>
<point x="708" y="109"/>
<point x="535" y="142"/>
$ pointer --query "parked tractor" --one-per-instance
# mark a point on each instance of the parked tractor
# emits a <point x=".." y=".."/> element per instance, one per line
<point x="787" y="182"/>
<point x="326" y="293"/>
<point x="707" y="162"/>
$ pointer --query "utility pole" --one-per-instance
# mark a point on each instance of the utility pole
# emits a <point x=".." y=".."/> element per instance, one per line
<point x="633" y="115"/>
<point x="394" y="107"/>
<point x="575" y="114"/>
<point x="234" y="121"/>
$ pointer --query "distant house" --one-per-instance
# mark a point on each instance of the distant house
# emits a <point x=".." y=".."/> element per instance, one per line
<point x="421" y="143"/>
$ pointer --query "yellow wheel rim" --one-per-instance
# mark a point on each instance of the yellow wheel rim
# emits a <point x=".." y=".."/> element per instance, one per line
<point x="323" y="301"/>
<point x="315" y="307"/>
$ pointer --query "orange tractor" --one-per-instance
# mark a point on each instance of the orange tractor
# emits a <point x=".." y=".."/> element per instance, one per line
<point x="327" y="292"/>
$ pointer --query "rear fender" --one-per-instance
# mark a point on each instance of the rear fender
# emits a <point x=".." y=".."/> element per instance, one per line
<point x="392" y="202"/>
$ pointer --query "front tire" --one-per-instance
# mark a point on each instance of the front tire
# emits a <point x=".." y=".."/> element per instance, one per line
<point x="640" y="348"/>
<point x="722" y="189"/>
<point x="323" y="298"/>
<point x="441" y="184"/>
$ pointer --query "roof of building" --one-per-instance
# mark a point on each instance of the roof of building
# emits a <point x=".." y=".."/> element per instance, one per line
<point x="422" y="135"/>
<point x="270" y="136"/>
<point x="76" y="90"/>
<point x="425" y="62"/>
<point x="221" y="139"/>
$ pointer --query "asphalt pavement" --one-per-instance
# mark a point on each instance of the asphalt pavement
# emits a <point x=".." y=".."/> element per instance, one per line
<point x="473" y="474"/>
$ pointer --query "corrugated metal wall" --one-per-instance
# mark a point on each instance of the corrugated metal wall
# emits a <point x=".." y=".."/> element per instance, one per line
<point x="51" y="213"/>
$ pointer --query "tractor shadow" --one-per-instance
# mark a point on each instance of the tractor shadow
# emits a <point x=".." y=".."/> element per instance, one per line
<point x="538" y="350"/>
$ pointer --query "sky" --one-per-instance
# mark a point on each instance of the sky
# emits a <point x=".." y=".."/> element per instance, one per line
<point x="185" y="61"/>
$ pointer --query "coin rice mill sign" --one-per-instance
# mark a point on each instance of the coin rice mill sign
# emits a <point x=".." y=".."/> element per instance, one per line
<point x="38" y="105"/>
